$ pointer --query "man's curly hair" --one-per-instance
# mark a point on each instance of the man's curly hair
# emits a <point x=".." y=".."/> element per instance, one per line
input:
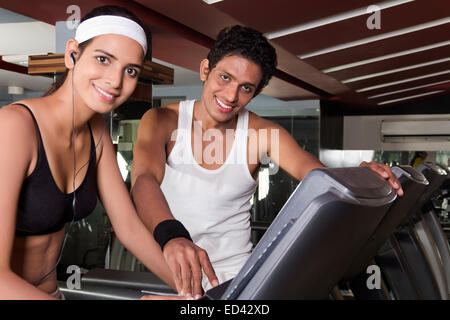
<point x="248" y="43"/>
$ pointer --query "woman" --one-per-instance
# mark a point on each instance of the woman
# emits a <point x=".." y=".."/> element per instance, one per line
<point x="57" y="157"/>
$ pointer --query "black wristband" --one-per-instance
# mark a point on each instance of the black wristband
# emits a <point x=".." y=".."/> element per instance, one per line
<point x="168" y="230"/>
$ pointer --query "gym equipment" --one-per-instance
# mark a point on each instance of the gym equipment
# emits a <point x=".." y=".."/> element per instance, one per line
<point x="431" y="234"/>
<point x="413" y="184"/>
<point x="409" y="261"/>
<point x="311" y="243"/>
<point x="304" y="253"/>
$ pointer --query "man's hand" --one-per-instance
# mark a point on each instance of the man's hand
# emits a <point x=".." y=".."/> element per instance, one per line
<point x="386" y="173"/>
<point x="186" y="260"/>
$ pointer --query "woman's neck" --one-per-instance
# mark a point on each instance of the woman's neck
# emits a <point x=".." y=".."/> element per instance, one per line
<point x="69" y="112"/>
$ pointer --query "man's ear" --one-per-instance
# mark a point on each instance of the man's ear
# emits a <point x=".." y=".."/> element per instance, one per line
<point x="204" y="69"/>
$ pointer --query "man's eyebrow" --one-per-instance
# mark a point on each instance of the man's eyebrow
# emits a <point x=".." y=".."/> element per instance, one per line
<point x="249" y="84"/>
<point x="245" y="83"/>
<point x="113" y="57"/>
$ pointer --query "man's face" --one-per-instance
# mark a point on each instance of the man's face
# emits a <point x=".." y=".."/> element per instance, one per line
<point x="229" y="86"/>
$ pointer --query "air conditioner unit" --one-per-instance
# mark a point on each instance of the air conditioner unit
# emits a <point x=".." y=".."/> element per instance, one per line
<point x="415" y="130"/>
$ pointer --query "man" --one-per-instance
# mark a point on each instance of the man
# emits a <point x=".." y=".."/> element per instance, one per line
<point x="419" y="158"/>
<point x="195" y="163"/>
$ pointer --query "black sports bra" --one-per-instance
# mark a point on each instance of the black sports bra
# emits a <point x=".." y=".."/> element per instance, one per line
<point x="43" y="208"/>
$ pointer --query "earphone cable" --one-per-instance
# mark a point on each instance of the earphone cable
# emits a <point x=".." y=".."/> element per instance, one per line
<point x="73" y="185"/>
<point x="74" y="193"/>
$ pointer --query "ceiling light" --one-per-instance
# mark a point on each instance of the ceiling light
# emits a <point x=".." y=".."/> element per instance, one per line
<point x="408" y="89"/>
<point x="19" y="59"/>
<point x="403" y="81"/>
<point x="379" y="37"/>
<point x="15" y="90"/>
<point x="211" y="1"/>
<point x="385" y="57"/>
<point x="332" y="19"/>
<point x="373" y="75"/>
<point x="410" y="97"/>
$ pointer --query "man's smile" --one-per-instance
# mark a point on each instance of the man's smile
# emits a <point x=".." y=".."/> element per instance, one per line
<point x="222" y="106"/>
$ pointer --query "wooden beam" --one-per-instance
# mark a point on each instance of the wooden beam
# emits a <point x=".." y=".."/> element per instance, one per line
<point x="49" y="64"/>
<point x="12" y="67"/>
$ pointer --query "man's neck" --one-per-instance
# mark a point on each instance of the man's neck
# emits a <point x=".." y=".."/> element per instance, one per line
<point x="200" y="114"/>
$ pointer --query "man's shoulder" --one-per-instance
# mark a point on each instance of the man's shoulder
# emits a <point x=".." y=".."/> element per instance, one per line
<point x="171" y="107"/>
<point x="258" y="123"/>
<point x="160" y="122"/>
<point x="166" y="114"/>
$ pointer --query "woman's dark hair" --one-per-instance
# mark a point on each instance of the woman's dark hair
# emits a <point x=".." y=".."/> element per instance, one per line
<point x="248" y="43"/>
<point x="100" y="11"/>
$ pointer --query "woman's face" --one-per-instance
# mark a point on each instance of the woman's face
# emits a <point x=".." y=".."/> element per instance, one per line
<point x="106" y="74"/>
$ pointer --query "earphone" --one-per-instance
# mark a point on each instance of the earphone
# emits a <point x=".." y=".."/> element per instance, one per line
<point x="72" y="55"/>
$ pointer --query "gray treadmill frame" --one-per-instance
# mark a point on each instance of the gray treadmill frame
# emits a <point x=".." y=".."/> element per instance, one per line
<point x="268" y="274"/>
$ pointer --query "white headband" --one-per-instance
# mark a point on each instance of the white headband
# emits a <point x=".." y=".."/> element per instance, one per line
<point x="99" y="25"/>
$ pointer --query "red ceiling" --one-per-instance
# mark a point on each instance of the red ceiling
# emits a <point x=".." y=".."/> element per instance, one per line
<point x="183" y="30"/>
<point x="269" y="16"/>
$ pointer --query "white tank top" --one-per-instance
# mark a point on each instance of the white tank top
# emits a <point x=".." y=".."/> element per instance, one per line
<point x="213" y="205"/>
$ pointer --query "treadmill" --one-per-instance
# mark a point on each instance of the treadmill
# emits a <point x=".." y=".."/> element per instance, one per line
<point x="413" y="184"/>
<point x="431" y="234"/>
<point x="303" y="254"/>
<point x="409" y="260"/>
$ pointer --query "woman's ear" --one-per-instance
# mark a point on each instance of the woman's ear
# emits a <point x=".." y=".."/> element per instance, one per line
<point x="69" y="56"/>
<point x="204" y="69"/>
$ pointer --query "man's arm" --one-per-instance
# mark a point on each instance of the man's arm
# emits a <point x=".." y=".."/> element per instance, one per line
<point x="148" y="168"/>
<point x="297" y="162"/>
<point x="185" y="259"/>
<point x="284" y="151"/>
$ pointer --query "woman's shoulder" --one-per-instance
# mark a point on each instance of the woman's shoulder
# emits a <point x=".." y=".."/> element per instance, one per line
<point x="19" y="108"/>
<point x="17" y="127"/>
<point x="15" y="115"/>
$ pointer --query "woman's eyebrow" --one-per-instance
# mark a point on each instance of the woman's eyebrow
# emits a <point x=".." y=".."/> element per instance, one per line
<point x="135" y="65"/>
<point x="106" y="53"/>
<point x="113" y="57"/>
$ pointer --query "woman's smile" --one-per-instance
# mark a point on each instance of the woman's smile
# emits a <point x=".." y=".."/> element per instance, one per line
<point x="106" y="96"/>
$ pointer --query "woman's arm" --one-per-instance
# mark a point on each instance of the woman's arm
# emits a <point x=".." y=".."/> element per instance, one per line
<point x="114" y="195"/>
<point x="16" y="128"/>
